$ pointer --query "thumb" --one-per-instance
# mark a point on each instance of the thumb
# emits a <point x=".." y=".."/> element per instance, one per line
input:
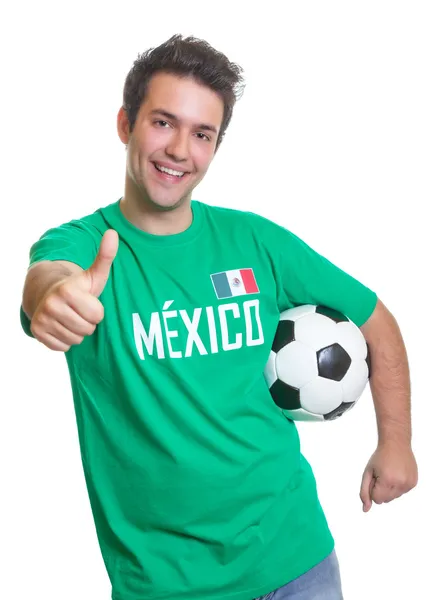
<point x="99" y="271"/>
<point x="367" y="485"/>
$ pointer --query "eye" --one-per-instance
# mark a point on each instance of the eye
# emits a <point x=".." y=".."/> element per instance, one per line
<point x="204" y="136"/>
<point x="162" y="123"/>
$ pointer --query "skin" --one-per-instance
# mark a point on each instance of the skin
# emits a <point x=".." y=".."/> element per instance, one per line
<point x="392" y="469"/>
<point x="151" y="203"/>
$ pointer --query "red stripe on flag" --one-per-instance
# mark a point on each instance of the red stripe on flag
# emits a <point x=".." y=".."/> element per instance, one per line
<point x="249" y="281"/>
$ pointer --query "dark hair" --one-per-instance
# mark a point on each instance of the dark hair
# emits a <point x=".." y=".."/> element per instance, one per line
<point x="189" y="57"/>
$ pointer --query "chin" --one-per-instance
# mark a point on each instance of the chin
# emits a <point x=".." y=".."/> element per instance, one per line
<point x="167" y="203"/>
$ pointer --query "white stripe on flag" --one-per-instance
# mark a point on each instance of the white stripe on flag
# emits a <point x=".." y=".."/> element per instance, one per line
<point x="237" y="289"/>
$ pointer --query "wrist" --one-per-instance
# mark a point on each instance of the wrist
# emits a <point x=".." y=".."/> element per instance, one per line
<point x="41" y="279"/>
<point x="396" y="437"/>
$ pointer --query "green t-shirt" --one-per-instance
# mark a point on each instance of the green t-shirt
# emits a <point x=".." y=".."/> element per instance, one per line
<point x="197" y="484"/>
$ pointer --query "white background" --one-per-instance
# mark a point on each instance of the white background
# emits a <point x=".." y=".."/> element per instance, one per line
<point x="328" y="140"/>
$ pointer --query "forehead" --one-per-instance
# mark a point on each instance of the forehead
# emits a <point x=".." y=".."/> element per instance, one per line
<point x="189" y="100"/>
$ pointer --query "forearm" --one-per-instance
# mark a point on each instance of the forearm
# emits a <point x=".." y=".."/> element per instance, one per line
<point x="390" y="378"/>
<point x="41" y="278"/>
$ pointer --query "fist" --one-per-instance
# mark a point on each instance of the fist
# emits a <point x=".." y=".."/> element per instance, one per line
<point x="70" y="309"/>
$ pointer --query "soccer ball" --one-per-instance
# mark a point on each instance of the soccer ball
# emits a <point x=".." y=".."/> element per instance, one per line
<point x="319" y="364"/>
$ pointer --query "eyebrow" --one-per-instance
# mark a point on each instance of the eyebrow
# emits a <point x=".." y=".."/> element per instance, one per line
<point x="171" y="116"/>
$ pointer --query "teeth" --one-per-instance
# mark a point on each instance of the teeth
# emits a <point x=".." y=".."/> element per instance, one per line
<point x="170" y="171"/>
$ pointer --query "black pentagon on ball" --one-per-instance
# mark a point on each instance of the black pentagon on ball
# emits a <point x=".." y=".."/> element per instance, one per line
<point x="339" y="411"/>
<point x="333" y="362"/>
<point x="285" y="396"/>
<point x="284" y="335"/>
<point x="368" y="361"/>
<point x="335" y="315"/>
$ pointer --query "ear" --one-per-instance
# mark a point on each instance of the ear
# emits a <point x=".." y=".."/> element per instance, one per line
<point x="123" y="125"/>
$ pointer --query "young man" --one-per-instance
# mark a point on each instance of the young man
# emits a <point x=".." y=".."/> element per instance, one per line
<point x="196" y="481"/>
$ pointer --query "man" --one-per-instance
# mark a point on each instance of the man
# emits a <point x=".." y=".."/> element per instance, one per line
<point x="196" y="481"/>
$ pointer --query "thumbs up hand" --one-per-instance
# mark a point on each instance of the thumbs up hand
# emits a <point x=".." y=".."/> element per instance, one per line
<point x="70" y="309"/>
<point x="97" y="275"/>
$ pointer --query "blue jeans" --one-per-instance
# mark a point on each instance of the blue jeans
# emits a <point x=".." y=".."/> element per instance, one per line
<point x="322" y="582"/>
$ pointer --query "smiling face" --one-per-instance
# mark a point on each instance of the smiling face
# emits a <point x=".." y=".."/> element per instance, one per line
<point x="173" y="141"/>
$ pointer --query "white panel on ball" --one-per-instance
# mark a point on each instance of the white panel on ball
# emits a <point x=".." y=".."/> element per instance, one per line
<point x="315" y="331"/>
<point x="296" y="364"/>
<point x="350" y="337"/>
<point x="292" y="314"/>
<point x="298" y="414"/>
<point x="355" y="380"/>
<point x="321" y="395"/>
<point x="270" y="372"/>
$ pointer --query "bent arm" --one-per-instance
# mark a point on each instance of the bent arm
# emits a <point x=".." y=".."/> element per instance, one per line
<point x="390" y="378"/>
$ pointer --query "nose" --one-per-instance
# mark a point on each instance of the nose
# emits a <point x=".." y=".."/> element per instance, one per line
<point x="177" y="147"/>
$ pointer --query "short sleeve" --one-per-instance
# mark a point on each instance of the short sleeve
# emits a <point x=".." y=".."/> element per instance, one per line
<point x="75" y="242"/>
<point x="25" y="323"/>
<point x="307" y="277"/>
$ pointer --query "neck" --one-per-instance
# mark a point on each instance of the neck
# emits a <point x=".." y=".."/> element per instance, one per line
<point x="145" y="215"/>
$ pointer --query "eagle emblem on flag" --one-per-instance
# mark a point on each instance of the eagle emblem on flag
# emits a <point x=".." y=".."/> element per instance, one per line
<point x="237" y="282"/>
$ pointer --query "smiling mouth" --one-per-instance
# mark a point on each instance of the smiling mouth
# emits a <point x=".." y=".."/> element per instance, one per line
<point x="167" y="171"/>
<point x="169" y="174"/>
